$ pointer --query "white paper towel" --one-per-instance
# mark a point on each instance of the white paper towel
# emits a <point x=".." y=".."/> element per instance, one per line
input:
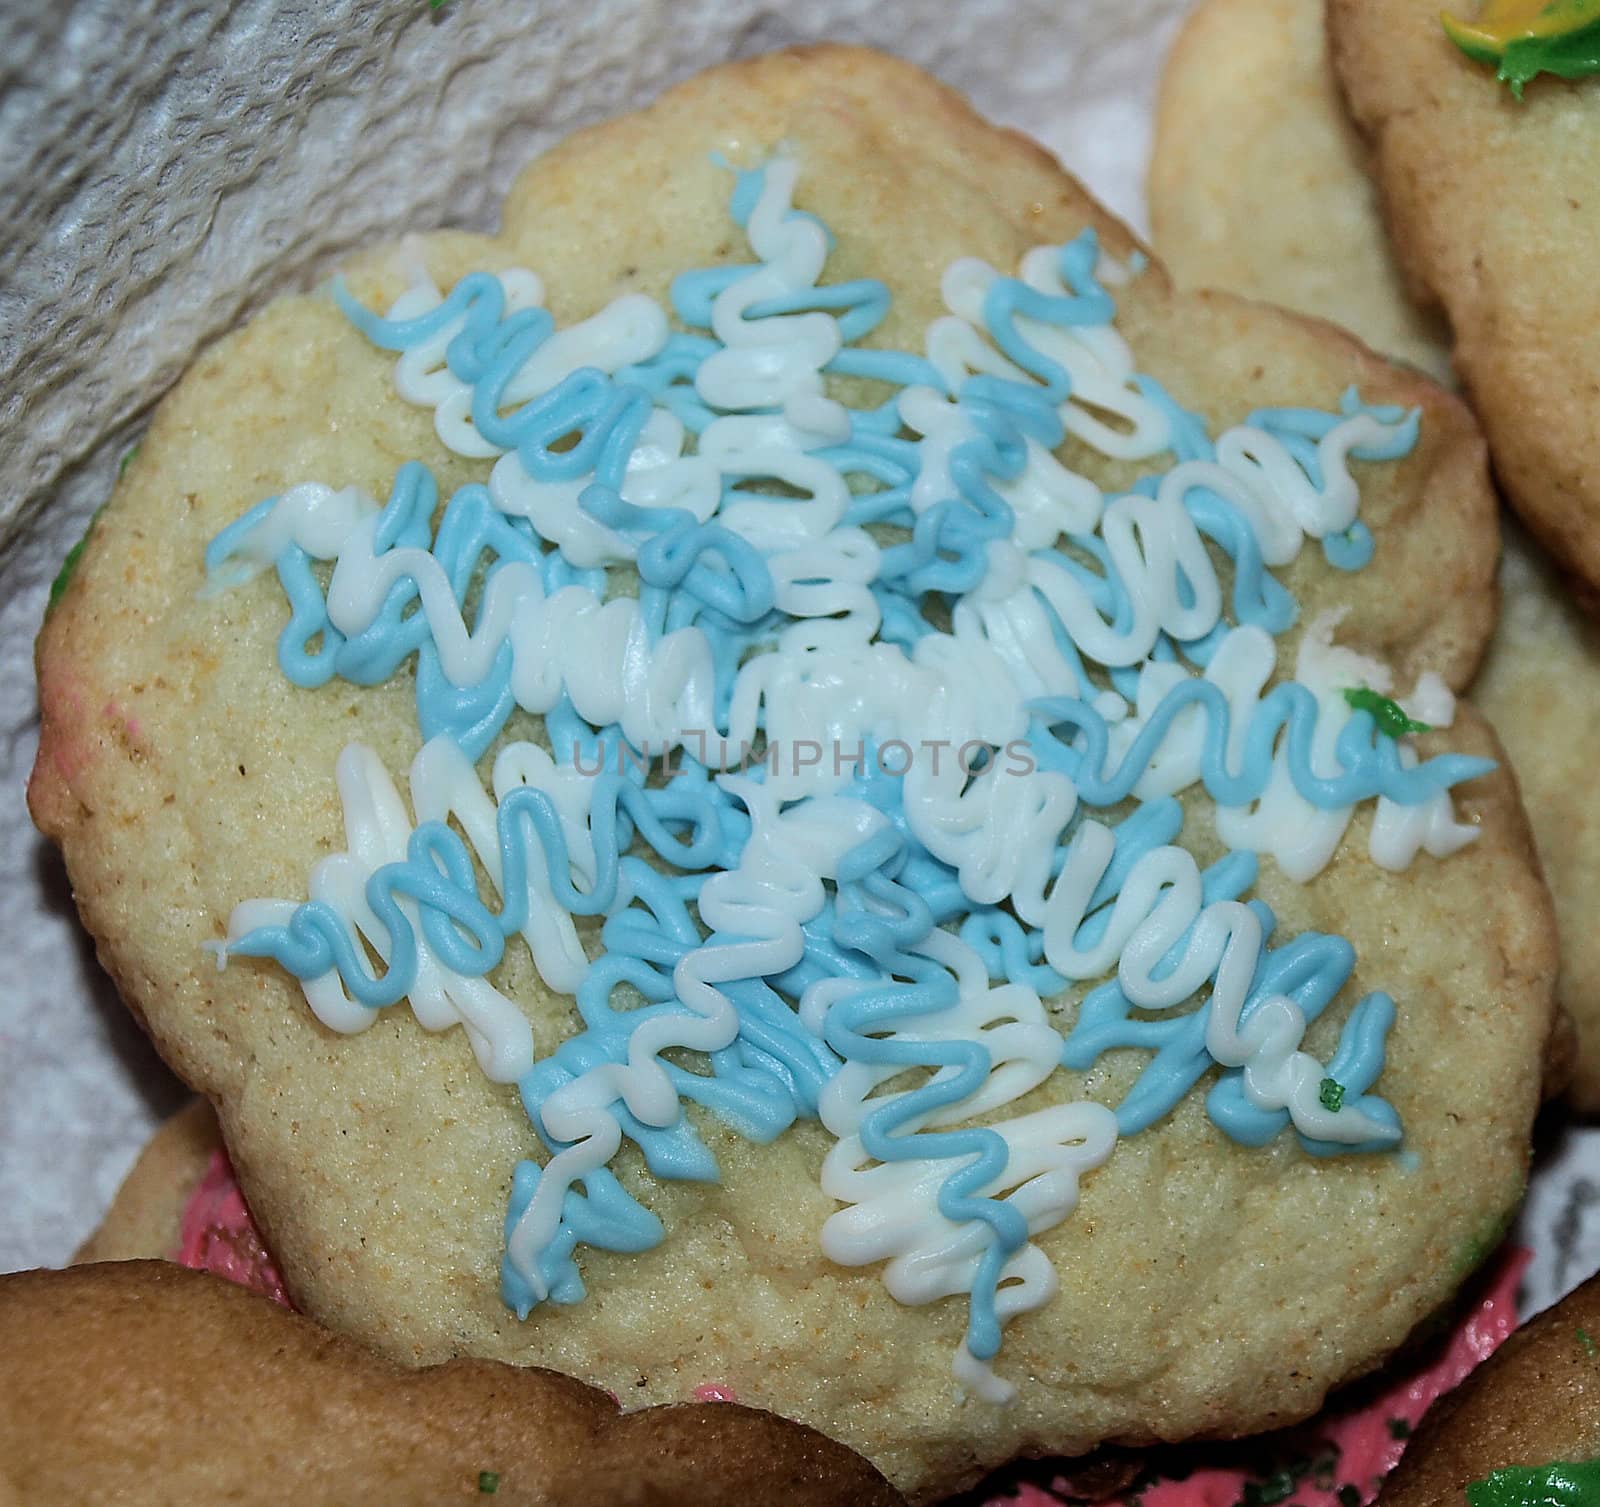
<point x="173" y="165"/>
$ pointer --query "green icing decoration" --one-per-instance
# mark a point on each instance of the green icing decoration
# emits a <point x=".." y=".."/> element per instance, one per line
<point x="1392" y="722"/>
<point x="1524" y="38"/>
<point x="1558" y="1485"/>
<point x="63" y="578"/>
<point x="1331" y="1095"/>
<point x="64" y="575"/>
<point x="1576" y="55"/>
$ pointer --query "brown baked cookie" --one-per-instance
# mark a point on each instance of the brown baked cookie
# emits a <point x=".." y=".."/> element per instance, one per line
<point x="1489" y="202"/>
<point x="1534" y="1402"/>
<point x="1257" y="186"/>
<point x="181" y="1202"/>
<point x="139" y="1382"/>
<point x="1205" y="1286"/>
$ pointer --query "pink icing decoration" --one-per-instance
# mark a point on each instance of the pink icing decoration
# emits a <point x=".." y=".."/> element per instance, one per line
<point x="1365" y="1445"/>
<point x="709" y="1391"/>
<point x="217" y="1234"/>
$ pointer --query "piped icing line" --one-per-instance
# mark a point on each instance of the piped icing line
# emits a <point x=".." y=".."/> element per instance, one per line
<point x="817" y="928"/>
<point x="662" y="694"/>
<point x="756" y="913"/>
<point x="371" y="894"/>
<point x="932" y="1008"/>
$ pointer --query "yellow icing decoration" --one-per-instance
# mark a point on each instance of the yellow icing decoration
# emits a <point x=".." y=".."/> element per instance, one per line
<point x="1503" y="22"/>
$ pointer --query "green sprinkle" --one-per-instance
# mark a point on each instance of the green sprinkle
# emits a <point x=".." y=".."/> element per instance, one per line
<point x="488" y="1480"/>
<point x="1349" y="1495"/>
<point x="127" y="460"/>
<point x="1586" y="1341"/>
<point x="1278" y="1487"/>
<point x="1332" y="1095"/>
<point x="1392" y="722"/>
<point x="1399" y="1429"/>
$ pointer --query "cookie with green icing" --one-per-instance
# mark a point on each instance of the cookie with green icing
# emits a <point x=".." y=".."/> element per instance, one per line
<point x="1488" y="204"/>
<point x="1523" y="1429"/>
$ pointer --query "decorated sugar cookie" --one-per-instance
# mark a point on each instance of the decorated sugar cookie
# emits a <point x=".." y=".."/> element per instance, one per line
<point x="796" y="775"/>
<point x="181" y="1203"/>
<point x="1524" y="1429"/>
<point x="1488" y="204"/>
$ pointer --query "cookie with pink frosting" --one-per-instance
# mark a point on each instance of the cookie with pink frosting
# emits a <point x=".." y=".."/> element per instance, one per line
<point x="181" y="1202"/>
<point x="1522" y="1432"/>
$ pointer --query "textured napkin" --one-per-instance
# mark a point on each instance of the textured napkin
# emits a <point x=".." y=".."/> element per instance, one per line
<point x="170" y="166"/>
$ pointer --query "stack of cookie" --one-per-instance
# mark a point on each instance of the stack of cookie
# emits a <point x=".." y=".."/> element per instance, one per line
<point x="795" y="791"/>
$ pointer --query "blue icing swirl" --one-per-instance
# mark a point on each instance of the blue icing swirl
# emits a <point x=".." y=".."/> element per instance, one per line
<point x="1370" y="761"/>
<point x="890" y="894"/>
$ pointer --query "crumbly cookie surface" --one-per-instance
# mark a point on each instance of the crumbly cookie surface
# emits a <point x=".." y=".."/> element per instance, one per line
<point x="1252" y="151"/>
<point x="1205" y="1288"/>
